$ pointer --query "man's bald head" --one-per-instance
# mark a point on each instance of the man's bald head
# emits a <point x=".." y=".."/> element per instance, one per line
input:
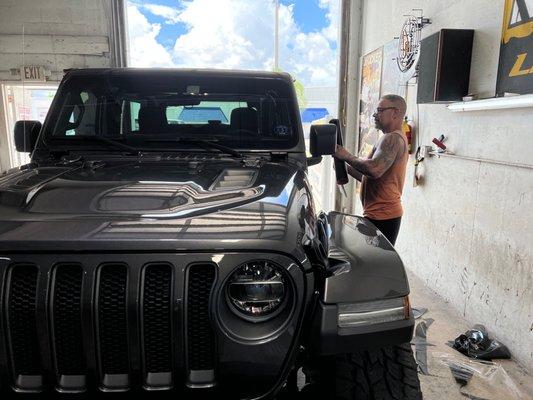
<point x="396" y="101"/>
<point x="390" y="113"/>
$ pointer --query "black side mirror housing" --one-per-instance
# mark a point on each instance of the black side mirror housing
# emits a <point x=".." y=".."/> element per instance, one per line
<point x="322" y="140"/>
<point x="26" y="134"/>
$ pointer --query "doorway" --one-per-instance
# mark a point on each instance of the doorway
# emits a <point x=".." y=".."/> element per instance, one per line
<point x="23" y="102"/>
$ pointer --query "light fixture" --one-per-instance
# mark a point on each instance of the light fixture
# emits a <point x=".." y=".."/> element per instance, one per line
<point x="493" y="103"/>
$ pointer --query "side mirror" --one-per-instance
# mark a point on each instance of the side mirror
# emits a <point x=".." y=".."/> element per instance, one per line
<point x="26" y="134"/>
<point x="313" y="161"/>
<point x="322" y="140"/>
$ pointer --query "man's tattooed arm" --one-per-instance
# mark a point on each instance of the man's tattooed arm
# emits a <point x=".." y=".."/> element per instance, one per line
<point x="355" y="173"/>
<point x="386" y="152"/>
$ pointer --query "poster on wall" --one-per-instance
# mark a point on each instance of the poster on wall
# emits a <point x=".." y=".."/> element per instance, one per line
<point x="515" y="69"/>
<point x="392" y="79"/>
<point x="370" y="92"/>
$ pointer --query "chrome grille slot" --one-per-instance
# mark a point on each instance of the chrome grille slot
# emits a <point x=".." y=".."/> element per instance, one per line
<point x="112" y="330"/>
<point x="21" y="299"/>
<point x="200" y="336"/>
<point x="156" y="323"/>
<point x="67" y="328"/>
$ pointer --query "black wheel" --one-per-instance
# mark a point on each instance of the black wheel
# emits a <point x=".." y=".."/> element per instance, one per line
<point x="388" y="373"/>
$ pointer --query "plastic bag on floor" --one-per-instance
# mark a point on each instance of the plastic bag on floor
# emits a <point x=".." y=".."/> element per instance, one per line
<point x="418" y="311"/>
<point x="481" y="380"/>
<point x="421" y="345"/>
<point x="475" y="343"/>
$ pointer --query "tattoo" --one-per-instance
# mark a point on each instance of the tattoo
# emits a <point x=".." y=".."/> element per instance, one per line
<point x="386" y="152"/>
<point x="354" y="173"/>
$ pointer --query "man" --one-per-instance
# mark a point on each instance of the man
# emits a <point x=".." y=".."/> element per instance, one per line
<point x="382" y="174"/>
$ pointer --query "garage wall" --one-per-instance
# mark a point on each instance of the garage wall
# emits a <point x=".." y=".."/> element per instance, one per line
<point x="58" y="34"/>
<point x="467" y="231"/>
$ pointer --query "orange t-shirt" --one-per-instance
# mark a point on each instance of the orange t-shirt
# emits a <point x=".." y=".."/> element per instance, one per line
<point x="381" y="196"/>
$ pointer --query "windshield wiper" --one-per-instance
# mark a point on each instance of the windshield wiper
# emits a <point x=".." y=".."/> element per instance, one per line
<point x="114" y="143"/>
<point x="202" y="142"/>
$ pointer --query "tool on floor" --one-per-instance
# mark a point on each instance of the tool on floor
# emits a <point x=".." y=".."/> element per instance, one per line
<point x="476" y="343"/>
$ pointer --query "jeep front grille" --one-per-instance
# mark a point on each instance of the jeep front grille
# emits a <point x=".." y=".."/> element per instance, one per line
<point x="22" y="335"/>
<point x="200" y="337"/>
<point x="157" y="324"/>
<point x="67" y="328"/>
<point x="112" y="330"/>
<point x="77" y="326"/>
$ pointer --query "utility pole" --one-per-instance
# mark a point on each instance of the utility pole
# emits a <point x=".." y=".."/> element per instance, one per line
<point x="276" y="33"/>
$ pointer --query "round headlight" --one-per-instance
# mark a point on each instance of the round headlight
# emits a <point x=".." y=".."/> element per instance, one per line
<point x="257" y="289"/>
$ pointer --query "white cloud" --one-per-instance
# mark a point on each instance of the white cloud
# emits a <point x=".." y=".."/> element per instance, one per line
<point x="333" y="16"/>
<point x="170" y="14"/>
<point x="144" y="49"/>
<point x="239" y="34"/>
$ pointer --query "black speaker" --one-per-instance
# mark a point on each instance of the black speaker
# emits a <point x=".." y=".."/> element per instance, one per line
<point x="444" y="66"/>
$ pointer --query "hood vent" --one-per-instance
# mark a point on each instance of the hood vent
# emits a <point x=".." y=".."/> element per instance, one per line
<point x="234" y="179"/>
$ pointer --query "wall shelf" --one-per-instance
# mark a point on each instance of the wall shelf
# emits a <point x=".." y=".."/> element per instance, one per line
<point x="495" y="103"/>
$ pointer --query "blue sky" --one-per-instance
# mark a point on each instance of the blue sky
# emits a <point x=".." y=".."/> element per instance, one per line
<point x="307" y="14"/>
<point x="236" y="34"/>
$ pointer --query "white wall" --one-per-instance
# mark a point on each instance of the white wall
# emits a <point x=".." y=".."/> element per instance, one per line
<point x="468" y="231"/>
<point x="58" y="34"/>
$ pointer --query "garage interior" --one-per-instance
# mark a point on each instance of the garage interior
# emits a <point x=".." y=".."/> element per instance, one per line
<point x="466" y="236"/>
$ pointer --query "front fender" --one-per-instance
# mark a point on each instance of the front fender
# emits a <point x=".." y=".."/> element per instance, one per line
<point x="376" y="271"/>
<point x="364" y="272"/>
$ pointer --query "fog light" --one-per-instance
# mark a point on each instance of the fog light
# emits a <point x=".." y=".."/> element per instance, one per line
<point x="373" y="312"/>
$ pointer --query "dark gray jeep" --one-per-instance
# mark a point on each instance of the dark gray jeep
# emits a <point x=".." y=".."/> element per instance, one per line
<point x="164" y="239"/>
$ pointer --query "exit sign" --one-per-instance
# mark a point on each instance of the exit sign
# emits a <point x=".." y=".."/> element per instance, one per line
<point x="32" y="73"/>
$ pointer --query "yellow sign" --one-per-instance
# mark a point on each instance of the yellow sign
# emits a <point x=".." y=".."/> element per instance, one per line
<point x="515" y="71"/>
<point x="513" y="26"/>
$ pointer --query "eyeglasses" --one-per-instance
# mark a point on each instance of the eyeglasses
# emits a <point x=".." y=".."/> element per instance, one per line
<point x="381" y="109"/>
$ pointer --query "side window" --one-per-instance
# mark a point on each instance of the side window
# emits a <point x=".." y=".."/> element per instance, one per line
<point x="134" y="115"/>
<point x="82" y="118"/>
<point x="74" y="115"/>
<point x="276" y="119"/>
<point x="174" y="114"/>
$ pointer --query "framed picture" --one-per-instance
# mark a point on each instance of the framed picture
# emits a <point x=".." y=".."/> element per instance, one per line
<point x="392" y="79"/>
<point x="370" y="94"/>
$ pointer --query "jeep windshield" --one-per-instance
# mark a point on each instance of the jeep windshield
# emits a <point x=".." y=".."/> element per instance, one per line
<point x="165" y="111"/>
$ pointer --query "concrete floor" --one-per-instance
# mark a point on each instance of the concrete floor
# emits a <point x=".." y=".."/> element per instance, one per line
<point x="447" y="325"/>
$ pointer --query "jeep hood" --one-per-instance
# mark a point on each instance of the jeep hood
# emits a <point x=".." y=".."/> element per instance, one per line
<point x="179" y="206"/>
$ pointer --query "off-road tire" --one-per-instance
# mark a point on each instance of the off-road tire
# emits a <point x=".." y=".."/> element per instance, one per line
<point x="388" y="373"/>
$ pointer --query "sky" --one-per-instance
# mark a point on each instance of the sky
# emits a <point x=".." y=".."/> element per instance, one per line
<point x="237" y="34"/>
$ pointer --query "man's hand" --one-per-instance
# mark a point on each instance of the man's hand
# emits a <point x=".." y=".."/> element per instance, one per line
<point x="341" y="153"/>
<point x="344" y="155"/>
<point x="388" y="147"/>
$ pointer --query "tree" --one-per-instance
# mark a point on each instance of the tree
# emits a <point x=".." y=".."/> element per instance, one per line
<point x="300" y="94"/>
<point x="300" y="91"/>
